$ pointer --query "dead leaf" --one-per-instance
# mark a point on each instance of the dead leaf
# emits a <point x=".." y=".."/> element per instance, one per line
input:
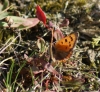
<point x="41" y="45"/>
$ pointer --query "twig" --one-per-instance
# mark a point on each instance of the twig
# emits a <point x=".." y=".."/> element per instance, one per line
<point x="6" y="9"/>
<point x="5" y="60"/>
<point x="1" y="51"/>
<point x="51" y="54"/>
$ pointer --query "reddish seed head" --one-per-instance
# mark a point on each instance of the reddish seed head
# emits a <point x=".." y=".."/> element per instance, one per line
<point x="40" y="14"/>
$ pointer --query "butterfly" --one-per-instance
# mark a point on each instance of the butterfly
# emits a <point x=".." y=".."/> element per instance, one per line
<point x="63" y="48"/>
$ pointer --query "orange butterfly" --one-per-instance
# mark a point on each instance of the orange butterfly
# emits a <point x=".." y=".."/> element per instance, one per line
<point x="63" y="48"/>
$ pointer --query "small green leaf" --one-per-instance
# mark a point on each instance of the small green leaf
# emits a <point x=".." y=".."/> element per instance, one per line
<point x="5" y="4"/>
<point x="4" y="15"/>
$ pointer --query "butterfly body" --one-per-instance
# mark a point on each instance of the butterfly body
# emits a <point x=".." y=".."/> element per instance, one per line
<point x="63" y="48"/>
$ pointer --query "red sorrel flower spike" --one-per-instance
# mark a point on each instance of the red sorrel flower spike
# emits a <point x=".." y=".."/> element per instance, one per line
<point x="40" y="14"/>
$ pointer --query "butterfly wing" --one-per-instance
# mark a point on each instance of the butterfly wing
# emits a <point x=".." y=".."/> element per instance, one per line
<point x="63" y="48"/>
<point x="67" y="43"/>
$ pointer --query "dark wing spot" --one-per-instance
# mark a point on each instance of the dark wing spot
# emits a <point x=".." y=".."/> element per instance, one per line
<point x="69" y="45"/>
<point x="65" y="40"/>
<point x="62" y="42"/>
<point x="71" y="38"/>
